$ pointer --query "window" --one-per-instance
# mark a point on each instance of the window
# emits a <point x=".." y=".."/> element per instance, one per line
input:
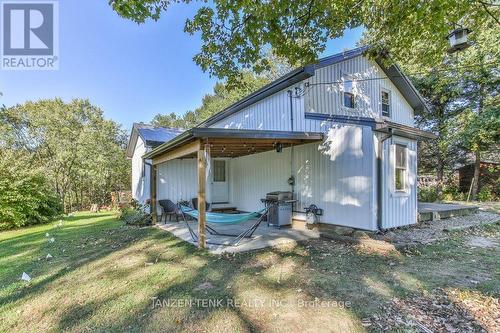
<point x="348" y="94"/>
<point x="386" y="103"/>
<point x="219" y="171"/>
<point x="143" y="169"/>
<point x="401" y="167"/>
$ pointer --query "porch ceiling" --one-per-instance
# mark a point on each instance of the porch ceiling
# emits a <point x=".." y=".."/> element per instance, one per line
<point x="228" y="143"/>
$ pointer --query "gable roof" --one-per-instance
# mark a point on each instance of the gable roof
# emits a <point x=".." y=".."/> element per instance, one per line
<point x="393" y="72"/>
<point x="152" y="136"/>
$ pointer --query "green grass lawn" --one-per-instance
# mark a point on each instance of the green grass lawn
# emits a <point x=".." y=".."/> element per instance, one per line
<point x="104" y="276"/>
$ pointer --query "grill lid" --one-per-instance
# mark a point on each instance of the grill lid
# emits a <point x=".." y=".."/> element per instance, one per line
<point x="279" y="196"/>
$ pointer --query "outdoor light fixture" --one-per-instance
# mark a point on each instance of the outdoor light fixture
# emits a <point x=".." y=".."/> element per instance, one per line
<point x="279" y="147"/>
<point x="458" y="39"/>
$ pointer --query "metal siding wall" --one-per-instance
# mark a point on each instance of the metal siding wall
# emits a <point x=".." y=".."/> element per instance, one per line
<point x="177" y="180"/>
<point x="255" y="175"/>
<point x="337" y="176"/>
<point x="272" y="113"/>
<point x="344" y="187"/>
<point x="328" y="98"/>
<point x="140" y="185"/>
<point x="399" y="210"/>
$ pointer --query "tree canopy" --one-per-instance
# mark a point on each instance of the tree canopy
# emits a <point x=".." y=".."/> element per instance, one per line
<point x="224" y="94"/>
<point x="221" y="98"/>
<point x="79" y="153"/>
<point x="463" y="99"/>
<point x="236" y="34"/>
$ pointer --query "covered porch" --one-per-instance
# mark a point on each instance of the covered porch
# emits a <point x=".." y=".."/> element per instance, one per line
<point x="264" y="236"/>
<point x="200" y="148"/>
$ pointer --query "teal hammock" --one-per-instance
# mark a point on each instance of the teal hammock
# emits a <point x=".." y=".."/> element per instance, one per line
<point x="220" y="218"/>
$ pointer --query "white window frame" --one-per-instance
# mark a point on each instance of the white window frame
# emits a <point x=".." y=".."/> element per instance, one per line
<point x="384" y="90"/>
<point x="405" y="188"/>
<point x="348" y="78"/>
<point x="224" y="170"/>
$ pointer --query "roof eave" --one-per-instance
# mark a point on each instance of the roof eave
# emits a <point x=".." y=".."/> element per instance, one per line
<point x="130" y="150"/>
<point x="285" y="81"/>
<point x="404" y="85"/>
<point x="186" y="136"/>
<point x="404" y="131"/>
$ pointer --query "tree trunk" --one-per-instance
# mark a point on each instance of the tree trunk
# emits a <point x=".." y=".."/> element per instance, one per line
<point x="440" y="175"/>
<point x="477" y="153"/>
<point x="477" y="172"/>
<point x="440" y="152"/>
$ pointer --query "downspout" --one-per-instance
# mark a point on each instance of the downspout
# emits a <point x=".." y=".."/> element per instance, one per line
<point x="290" y="95"/>
<point x="379" y="178"/>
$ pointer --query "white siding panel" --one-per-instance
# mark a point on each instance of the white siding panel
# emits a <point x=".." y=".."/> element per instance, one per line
<point x="326" y="98"/>
<point x="337" y="176"/>
<point x="177" y="180"/>
<point x="399" y="209"/>
<point x="255" y="175"/>
<point x="272" y="113"/>
<point x="140" y="184"/>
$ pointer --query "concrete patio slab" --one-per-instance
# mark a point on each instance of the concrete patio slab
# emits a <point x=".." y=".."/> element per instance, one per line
<point x="428" y="211"/>
<point x="263" y="237"/>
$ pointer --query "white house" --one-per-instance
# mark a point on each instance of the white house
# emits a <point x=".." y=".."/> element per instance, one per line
<point x="338" y="133"/>
<point x="142" y="140"/>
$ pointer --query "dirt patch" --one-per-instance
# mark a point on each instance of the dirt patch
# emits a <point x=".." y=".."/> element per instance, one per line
<point x="204" y="286"/>
<point x="483" y="242"/>
<point x="429" y="232"/>
<point x="439" y="311"/>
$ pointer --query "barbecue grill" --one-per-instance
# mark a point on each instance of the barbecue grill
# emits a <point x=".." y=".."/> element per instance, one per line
<point x="280" y="205"/>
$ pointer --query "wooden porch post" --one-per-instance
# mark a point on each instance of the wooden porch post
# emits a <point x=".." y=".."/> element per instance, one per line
<point x="152" y="179"/>
<point x="201" y="196"/>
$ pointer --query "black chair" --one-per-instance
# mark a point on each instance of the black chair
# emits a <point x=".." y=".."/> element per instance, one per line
<point x="194" y="204"/>
<point x="168" y="208"/>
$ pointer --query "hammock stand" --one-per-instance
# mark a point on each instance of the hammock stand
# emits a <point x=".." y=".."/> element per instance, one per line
<point x="224" y="219"/>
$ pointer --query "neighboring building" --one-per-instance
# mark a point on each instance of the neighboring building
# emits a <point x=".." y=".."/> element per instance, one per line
<point x="339" y="134"/>
<point x="489" y="176"/>
<point x="143" y="139"/>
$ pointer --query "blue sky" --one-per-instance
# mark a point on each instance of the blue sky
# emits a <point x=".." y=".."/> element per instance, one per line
<point x="131" y="71"/>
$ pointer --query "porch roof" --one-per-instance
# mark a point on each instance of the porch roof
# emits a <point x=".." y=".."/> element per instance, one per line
<point x="228" y="143"/>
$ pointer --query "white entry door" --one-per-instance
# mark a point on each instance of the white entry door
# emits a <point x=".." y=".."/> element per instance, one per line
<point x="220" y="182"/>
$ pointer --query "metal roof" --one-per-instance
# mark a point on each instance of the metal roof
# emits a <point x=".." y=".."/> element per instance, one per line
<point x="152" y="136"/>
<point x="339" y="57"/>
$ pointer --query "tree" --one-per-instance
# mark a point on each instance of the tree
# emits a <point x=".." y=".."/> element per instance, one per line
<point x="236" y="34"/>
<point x="463" y="100"/>
<point x="26" y="196"/>
<point x="80" y="152"/>
<point x="222" y="97"/>
<point x="441" y="92"/>
<point x="478" y="126"/>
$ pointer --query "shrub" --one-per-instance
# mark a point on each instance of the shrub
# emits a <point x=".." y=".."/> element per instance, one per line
<point x="486" y="194"/>
<point x="452" y="192"/>
<point x="26" y="197"/>
<point x="427" y="194"/>
<point x="138" y="215"/>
